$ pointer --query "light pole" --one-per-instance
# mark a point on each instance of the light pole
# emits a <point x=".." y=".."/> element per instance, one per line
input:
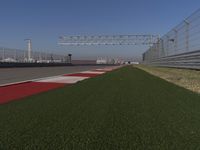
<point x="29" y="48"/>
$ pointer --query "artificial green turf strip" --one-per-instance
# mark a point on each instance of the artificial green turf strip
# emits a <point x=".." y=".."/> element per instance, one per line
<point x="124" y="109"/>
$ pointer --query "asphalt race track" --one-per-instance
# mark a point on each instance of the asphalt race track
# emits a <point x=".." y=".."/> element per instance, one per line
<point x="10" y="75"/>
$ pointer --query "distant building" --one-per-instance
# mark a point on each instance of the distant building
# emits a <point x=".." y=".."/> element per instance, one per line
<point x="9" y="60"/>
<point x="131" y="62"/>
<point x="101" y="61"/>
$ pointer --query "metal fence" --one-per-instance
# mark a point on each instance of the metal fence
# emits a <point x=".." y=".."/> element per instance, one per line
<point x="180" y="47"/>
<point x="16" y="55"/>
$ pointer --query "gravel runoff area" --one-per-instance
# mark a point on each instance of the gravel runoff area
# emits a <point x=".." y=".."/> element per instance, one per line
<point x="9" y="75"/>
<point x="187" y="78"/>
<point x="127" y="109"/>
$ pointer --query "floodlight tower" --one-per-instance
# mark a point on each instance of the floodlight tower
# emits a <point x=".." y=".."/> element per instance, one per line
<point x="29" y="42"/>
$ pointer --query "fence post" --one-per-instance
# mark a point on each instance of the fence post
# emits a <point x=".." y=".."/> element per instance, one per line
<point x="167" y="51"/>
<point x="161" y="47"/>
<point x="187" y="24"/>
<point x="175" y="39"/>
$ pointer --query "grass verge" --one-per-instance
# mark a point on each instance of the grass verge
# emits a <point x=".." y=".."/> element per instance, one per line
<point x="124" y="109"/>
<point x="189" y="79"/>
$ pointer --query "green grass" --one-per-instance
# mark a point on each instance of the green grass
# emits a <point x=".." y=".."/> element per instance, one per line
<point x="125" y="109"/>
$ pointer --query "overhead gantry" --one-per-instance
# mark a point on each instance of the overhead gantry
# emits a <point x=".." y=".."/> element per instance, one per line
<point x="108" y="40"/>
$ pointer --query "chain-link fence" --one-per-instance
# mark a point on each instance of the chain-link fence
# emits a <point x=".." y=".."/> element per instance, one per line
<point x="180" y="47"/>
<point x="16" y="55"/>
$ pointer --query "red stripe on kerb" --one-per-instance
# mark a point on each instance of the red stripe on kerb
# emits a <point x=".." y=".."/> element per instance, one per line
<point x="17" y="91"/>
<point x="83" y="74"/>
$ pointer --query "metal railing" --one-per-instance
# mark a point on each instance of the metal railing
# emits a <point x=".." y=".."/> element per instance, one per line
<point x="180" y="47"/>
<point x="16" y="55"/>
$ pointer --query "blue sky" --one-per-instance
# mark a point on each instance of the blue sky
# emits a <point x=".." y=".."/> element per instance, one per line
<point x="45" y="20"/>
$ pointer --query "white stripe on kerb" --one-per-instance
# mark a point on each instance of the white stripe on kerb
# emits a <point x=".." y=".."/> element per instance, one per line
<point x="63" y="79"/>
<point x="92" y="72"/>
<point x="106" y="69"/>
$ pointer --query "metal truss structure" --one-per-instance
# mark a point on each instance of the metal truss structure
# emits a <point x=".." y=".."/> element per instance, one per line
<point x="108" y="40"/>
